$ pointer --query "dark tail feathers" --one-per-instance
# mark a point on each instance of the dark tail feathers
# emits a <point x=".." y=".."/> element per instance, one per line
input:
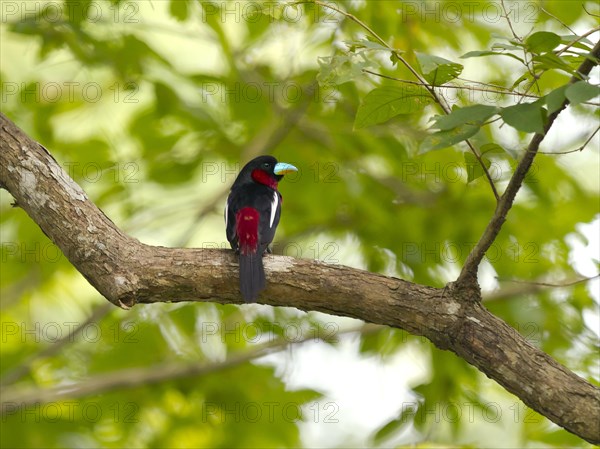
<point x="252" y="276"/>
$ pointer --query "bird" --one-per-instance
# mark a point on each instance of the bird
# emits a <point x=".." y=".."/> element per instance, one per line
<point x="252" y="213"/>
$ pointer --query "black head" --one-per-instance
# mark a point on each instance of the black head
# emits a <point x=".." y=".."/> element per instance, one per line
<point x="264" y="170"/>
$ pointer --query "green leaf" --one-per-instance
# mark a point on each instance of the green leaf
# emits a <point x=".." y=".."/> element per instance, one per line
<point x="526" y="117"/>
<point x="551" y="61"/>
<point x="179" y="9"/>
<point x="478" y="53"/>
<point x="474" y="168"/>
<point x="575" y="41"/>
<point x="520" y="79"/>
<point x="475" y="54"/>
<point x="383" y="103"/>
<point x="555" y="99"/>
<point x="354" y="45"/>
<point x="507" y="46"/>
<point x="444" y="139"/>
<point x="581" y="91"/>
<point x="542" y="42"/>
<point x="490" y="148"/>
<point x="340" y="69"/>
<point x="476" y="115"/>
<point x="437" y="70"/>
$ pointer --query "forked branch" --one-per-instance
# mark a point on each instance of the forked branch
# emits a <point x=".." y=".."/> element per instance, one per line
<point x="468" y="275"/>
<point x="128" y="272"/>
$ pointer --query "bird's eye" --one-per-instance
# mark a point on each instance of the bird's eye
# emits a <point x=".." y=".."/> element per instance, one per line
<point x="267" y="165"/>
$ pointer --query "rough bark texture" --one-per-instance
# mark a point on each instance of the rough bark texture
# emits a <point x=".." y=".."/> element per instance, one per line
<point x="128" y="272"/>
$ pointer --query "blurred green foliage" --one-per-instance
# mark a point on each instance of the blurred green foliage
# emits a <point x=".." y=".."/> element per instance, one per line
<point x="153" y="106"/>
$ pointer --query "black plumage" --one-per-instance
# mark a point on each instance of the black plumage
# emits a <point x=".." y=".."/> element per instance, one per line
<point x="252" y="214"/>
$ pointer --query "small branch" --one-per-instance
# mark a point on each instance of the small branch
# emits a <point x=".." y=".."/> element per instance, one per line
<point x="548" y="284"/>
<point x="513" y="292"/>
<point x="528" y="61"/>
<point x="580" y="38"/>
<point x="512" y="30"/>
<point x="468" y="274"/>
<point x="439" y="99"/>
<point x="527" y="288"/>
<point x="14" y="399"/>
<point x="394" y="52"/>
<point x="589" y="139"/>
<point x="448" y="86"/>
<point x="128" y="272"/>
<point x="496" y="86"/>
<point x="545" y="11"/>
<point x="485" y="170"/>
<point x="504" y="91"/>
<point x="589" y="13"/>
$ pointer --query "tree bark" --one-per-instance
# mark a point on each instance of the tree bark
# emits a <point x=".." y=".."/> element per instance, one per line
<point x="128" y="272"/>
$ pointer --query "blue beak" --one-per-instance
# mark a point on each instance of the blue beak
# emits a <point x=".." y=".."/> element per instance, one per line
<point x="281" y="168"/>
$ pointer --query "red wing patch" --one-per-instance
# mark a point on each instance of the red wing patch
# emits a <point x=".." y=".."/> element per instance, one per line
<point x="246" y="221"/>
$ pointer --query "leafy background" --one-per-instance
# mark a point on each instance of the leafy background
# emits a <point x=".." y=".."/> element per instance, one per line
<point x="153" y="106"/>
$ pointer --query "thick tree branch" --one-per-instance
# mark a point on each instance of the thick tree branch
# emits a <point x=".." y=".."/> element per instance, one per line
<point x="128" y="272"/>
<point x="468" y="274"/>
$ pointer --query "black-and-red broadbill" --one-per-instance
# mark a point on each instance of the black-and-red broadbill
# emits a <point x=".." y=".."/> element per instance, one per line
<point x="251" y="216"/>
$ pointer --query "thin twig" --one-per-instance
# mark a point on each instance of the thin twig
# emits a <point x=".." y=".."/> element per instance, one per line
<point x="510" y="292"/>
<point x="476" y="89"/>
<point x="527" y="288"/>
<point x="512" y="30"/>
<point x="580" y="38"/>
<point x="526" y="59"/>
<point x="589" y="13"/>
<point x="468" y="273"/>
<point x="439" y="99"/>
<point x="449" y="86"/>
<point x="576" y="149"/>
<point x="484" y="84"/>
<point x="15" y="399"/>
<point x="127" y="272"/>
<point x="544" y="10"/>
<point x="548" y="284"/>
